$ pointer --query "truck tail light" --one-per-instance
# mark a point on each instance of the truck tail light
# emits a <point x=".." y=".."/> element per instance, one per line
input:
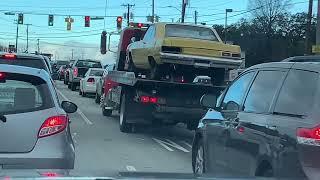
<point x="75" y="71"/>
<point x="309" y="136"/>
<point x="53" y="125"/>
<point x="9" y="56"/>
<point x="149" y="99"/>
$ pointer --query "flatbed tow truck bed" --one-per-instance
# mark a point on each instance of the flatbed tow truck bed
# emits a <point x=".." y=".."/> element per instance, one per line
<point x="145" y="101"/>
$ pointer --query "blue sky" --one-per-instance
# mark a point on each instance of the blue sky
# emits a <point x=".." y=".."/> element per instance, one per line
<point x="57" y="39"/>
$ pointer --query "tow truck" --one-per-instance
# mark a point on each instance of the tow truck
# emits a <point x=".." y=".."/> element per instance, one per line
<point x="140" y="100"/>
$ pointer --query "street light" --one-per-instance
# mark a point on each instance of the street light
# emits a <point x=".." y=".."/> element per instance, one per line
<point x="12" y="14"/>
<point x="225" y="25"/>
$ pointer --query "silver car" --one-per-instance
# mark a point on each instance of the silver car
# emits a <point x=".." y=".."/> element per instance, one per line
<point x="34" y="126"/>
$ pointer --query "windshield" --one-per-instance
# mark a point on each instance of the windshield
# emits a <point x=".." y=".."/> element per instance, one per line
<point x="160" y="89"/>
<point x="175" y="30"/>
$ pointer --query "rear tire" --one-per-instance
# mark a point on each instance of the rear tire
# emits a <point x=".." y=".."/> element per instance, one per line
<point x="123" y="125"/>
<point x="106" y="112"/>
<point x="80" y="93"/>
<point x="73" y="86"/>
<point x="198" y="158"/>
<point x="83" y="94"/>
<point x="69" y="86"/>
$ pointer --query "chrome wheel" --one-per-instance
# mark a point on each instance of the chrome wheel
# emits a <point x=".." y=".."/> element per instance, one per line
<point x="199" y="165"/>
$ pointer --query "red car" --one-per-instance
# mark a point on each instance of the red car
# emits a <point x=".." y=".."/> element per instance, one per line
<point x="61" y="72"/>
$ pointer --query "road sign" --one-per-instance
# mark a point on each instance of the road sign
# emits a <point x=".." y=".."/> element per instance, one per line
<point x="316" y="49"/>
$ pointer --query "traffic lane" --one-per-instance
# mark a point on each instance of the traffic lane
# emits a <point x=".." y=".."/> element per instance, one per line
<point x="101" y="146"/>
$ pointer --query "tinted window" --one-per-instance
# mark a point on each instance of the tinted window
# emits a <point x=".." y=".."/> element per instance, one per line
<point x="89" y="64"/>
<point x="195" y="32"/>
<point x="23" y="93"/>
<point x="35" y="63"/>
<point x="96" y="72"/>
<point x="297" y="94"/>
<point x="263" y="90"/>
<point x="236" y="91"/>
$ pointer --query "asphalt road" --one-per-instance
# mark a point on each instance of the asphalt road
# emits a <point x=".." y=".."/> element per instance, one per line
<point x="101" y="148"/>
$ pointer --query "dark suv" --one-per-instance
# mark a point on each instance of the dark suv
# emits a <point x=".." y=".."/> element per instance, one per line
<point x="266" y="123"/>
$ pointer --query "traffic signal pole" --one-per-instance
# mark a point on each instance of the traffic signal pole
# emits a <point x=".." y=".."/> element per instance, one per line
<point x="17" y="36"/>
<point x="128" y="11"/>
<point x="318" y="25"/>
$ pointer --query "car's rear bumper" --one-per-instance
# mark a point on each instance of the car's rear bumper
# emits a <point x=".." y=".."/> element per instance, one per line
<point x="200" y="61"/>
<point x="89" y="88"/>
<point x="53" y="152"/>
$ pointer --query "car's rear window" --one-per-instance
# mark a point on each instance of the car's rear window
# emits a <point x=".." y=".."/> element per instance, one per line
<point x="96" y="72"/>
<point x="34" y="63"/>
<point x="297" y="94"/>
<point x="89" y="64"/>
<point x="20" y="93"/>
<point x="194" y="32"/>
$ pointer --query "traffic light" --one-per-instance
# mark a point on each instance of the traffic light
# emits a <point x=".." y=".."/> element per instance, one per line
<point x="119" y="22"/>
<point x="50" y="20"/>
<point x="103" y="44"/>
<point x="87" y="21"/>
<point x="20" y="19"/>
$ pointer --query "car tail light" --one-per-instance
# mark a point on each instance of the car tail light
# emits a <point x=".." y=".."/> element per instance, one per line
<point x="90" y="80"/>
<point x="9" y="56"/>
<point x="153" y="100"/>
<point x="51" y="174"/>
<point x="309" y="136"/>
<point x="75" y="72"/>
<point x="3" y="75"/>
<point x="53" y="125"/>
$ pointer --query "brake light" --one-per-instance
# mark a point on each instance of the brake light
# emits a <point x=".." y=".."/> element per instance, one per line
<point x="149" y="99"/>
<point x="90" y="80"/>
<point x="50" y="174"/>
<point x="140" y="25"/>
<point x="309" y="136"/>
<point x="9" y="56"/>
<point x="53" y="125"/>
<point x="144" y="99"/>
<point x="75" y="71"/>
<point x="2" y="75"/>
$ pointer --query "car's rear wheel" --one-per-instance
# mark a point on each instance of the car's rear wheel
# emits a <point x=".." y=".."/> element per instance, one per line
<point x="69" y="85"/>
<point x="83" y="94"/>
<point x="106" y="112"/>
<point x="198" y="159"/>
<point x="73" y="86"/>
<point x="124" y="126"/>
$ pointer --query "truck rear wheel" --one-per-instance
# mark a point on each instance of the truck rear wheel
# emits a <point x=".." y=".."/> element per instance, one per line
<point x="124" y="126"/>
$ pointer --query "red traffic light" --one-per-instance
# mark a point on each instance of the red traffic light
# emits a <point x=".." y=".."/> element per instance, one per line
<point x="119" y="19"/>
<point x="87" y="21"/>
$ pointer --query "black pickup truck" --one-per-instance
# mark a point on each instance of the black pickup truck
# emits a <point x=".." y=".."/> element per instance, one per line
<point x="79" y="69"/>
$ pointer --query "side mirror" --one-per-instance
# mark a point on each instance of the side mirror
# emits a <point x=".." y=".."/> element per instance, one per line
<point x="208" y="101"/>
<point x="69" y="107"/>
<point x="133" y="39"/>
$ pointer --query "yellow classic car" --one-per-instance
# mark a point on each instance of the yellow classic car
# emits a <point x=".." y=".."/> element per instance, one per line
<point x="188" y="49"/>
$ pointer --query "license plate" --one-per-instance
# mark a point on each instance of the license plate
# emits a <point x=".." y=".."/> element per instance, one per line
<point x="202" y="64"/>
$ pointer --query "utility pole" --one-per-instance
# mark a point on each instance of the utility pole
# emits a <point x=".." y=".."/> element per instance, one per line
<point x="38" y="44"/>
<point x="195" y="17"/>
<point x="308" y="30"/>
<point x="318" y="25"/>
<point x="27" y="49"/>
<point x="17" y="36"/>
<point x="152" y="11"/>
<point x="128" y="11"/>
<point x="183" y="12"/>
<point x="226" y="24"/>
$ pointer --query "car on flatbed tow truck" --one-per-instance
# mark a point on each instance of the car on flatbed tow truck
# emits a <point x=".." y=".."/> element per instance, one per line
<point x="147" y="101"/>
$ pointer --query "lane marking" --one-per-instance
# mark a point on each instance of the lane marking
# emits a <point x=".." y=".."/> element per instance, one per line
<point x="86" y="120"/>
<point x="162" y="144"/>
<point x="131" y="168"/>
<point x="167" y="142"/>
<point x="187" y="144"/>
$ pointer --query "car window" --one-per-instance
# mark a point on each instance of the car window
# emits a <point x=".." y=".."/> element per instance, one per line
<point x="96" y="72"/>
<point x="35" y="63"/>
<point x="194" y="32"/>
<point x="236" y="92"/>
<point x="21" y="93"/>
<point x="263" y="90"/>
<point x="88" y="64"/>
<point x="297" y="94"/>
<point x="149" y="34"/>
